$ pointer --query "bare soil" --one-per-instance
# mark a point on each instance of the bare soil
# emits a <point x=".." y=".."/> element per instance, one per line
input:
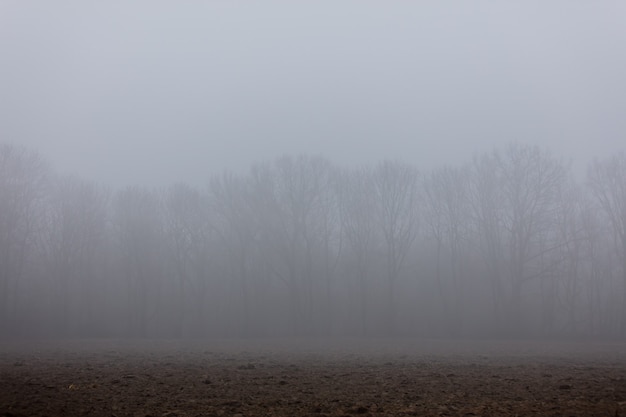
<point x="311" y="378"/>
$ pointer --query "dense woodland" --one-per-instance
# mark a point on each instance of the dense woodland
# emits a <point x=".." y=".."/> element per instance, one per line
<point x="509" y="245"/>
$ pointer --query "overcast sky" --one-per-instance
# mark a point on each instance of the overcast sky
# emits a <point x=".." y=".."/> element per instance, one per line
<point x="150" y="92"/>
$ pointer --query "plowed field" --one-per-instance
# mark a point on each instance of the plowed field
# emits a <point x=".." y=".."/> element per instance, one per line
<point x="311" y="378"/>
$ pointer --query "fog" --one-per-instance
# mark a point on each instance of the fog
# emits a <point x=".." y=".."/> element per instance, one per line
<point x="323" y="169"/>
<point x="153" y="93"/>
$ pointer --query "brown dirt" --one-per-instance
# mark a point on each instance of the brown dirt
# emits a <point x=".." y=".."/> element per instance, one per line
<point x="311" y="378"/>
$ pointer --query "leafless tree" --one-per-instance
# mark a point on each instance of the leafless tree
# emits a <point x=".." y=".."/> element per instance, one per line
<point x="487" y="211"/>
<point x="138" y="220"/>
<point x="23" y="183"/>
<point x="395" y="187"/>
<point x="607" y="180"/>
<point x="234" y="222"/>
<point x="564" y="286"/>
<point x="447" y="212"/>
<point x="77" y="220"/>
<point x="188" y="233"/>
<point x="358" y="225"/>
<point x="515" y="204"/>
<point x="291" y="196"/>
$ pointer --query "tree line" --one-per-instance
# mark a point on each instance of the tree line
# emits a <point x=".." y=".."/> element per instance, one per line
<point x="508" y="245"/>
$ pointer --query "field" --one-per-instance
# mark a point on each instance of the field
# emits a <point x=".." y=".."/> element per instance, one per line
<point x="311" y="378"/>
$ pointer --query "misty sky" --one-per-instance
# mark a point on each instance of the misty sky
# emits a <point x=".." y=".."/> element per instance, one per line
<point x="157" y="92"/>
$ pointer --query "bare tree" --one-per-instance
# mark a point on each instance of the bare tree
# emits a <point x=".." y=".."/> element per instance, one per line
<point x="562" y="286"/>
<point x="187" y="227"/>
<point x="291" y="195"/>
<point x="485" y="197"/>
<point x="137" y="216"/>
<point x="395" y="186"/>
<point x="23" y="183"/>
<point x="358" y="225"/>
<point x="77" y="222"/>
<point x="607" y="180"/>
<point x="234" y="221"/>
<point x="324" y="242"/>
<point x="515" y="202"/>
<point x="447" y="214"/>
